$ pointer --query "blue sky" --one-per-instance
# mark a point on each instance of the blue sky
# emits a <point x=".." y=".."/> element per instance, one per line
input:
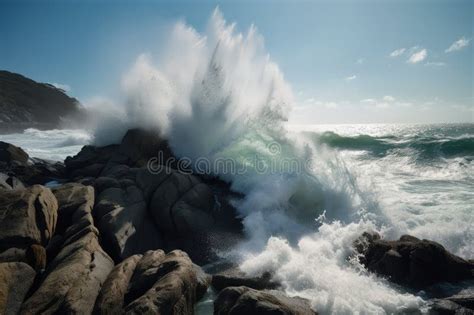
<point x="338" y="56"/>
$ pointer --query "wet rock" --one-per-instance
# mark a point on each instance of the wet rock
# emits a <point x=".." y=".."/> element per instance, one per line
<point x="11" y="154"/>
<point x="244" y="300"/>
<point x="234" y="277"/>
<point x="112" y="294"/>
<point x="90" y="155"/>
<point x="27" y="216"/>
<point x="174" y="292"/>
<point x="16" y="279"/>
<point x="182" y="205"/>
<point x="125" y="223"/>
<point x="140" y="145"/>
<point x="140" y="208"/>
<point x="415" y="263"/>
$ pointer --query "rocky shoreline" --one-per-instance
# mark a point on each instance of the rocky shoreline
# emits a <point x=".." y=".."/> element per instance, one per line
<point x="102" y="234"/>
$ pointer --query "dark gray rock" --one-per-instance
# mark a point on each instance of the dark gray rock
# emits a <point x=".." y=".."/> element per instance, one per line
<point x="234" y="277"/>
<point x="11" y="154"/>
<point x="447" y="307"/>
<point x="413" y="262"/>
<point x="244" y="300"/>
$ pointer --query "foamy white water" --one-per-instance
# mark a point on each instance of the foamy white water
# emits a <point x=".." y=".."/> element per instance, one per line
<point x="54" y="145"/>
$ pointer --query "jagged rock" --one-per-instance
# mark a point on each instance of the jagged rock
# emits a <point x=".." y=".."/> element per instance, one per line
<point x="123" y="219"/>
<point x="16" y="279"/>
<point x="140" y="209"/>
<point x="145" y="274"/>
<point x="244" y="300"/>
<point x="174" y="291"/>
<point x="234" y="277"/>
<point x="140" y="145"/>
<point x="72" y="280"/>
<point x="17" y="168"/>
<point x="112" y="294"/>
<point x="415" y="263"/>
<point x="90" y="155"/>
<point x="10" y="182"/>
<point x="155" y="283"/>
<point x="11" y="154"/>
<point x="182" y="205"/>
<point x="75" y="203"/>
<point x="27" y="216"/>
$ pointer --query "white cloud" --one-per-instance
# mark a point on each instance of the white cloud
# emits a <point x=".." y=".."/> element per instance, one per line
<point x="435" y="64"/>
<point x="368" y="100"/>
<point x="64" y="87"/>
<point x="397" y="52"/>
<point x="389" y="98"/>
<point x="458" y="45"/>
<point x="350" y="78"/>
<point x="418" y="56"/>
<point x="360" y="61"/>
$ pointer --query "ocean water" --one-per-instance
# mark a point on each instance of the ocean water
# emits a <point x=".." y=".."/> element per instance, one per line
<point x="310" y="191"/>
<point x="396" y="179"/>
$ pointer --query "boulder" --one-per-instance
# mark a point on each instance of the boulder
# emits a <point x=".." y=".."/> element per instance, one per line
<point x="90" y="155"/>
<point x="13" y="254"/>
<point x="244" y="300"/>
<point x="112" y="295"/>
<point x="174" y="291"/>
<point x="27" y="216"/>
<point x="139" y="145"/>
<point x="16" y="279"/>
<point x="155" y="283"/>
<point x="11" y="154"/>
<point x="415" y="263"/>
<point x="234" y="277"/>
<point x="75" y="203"/>
<point x="10" y="182"/>
<point x="140" y="208"/>
<point x="145" y="275"/>
<point x="182" y="205"/>
<point x="125" y="223"/>
<point x="72" y="280"/>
